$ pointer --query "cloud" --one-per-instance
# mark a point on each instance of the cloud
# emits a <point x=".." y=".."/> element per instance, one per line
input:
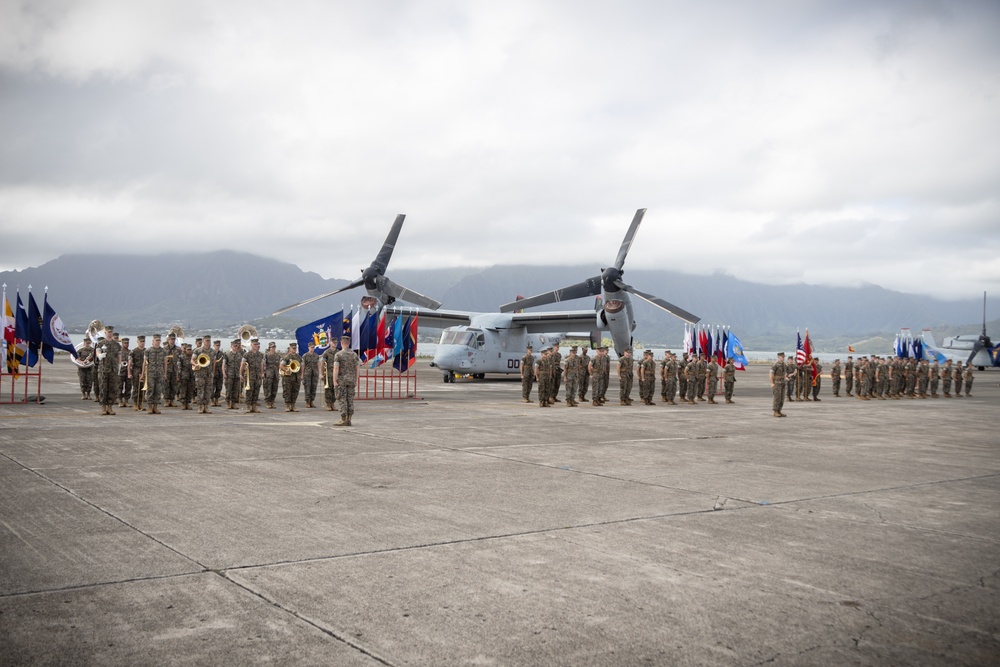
<point x="827" y="142"/>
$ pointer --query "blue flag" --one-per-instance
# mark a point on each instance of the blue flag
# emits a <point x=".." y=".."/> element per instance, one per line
<point x="21" y="328"/>
<point x="35" y="332"/>
<point x="734" y="350"/>
<point x="324" y="332"/>
<point x="53" y="331"/>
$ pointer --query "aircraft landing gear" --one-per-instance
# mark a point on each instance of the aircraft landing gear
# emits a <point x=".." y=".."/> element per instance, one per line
<point x="448" y="376"/>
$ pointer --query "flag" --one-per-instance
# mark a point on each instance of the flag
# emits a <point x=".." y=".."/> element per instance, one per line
<point x="35" y="334"/>
<point x="13" y="352"/>
<point x="702" y="342"/>
<point x="688" y="340"/>
<point x="412" y="345"/>
<point x="800" y="353"/>
<point x="356" y="319"/>
<point x="725" y="342"/>
<point x="850" y="349"/>
<point x="918" y="349"/>
<point x="397" y="336"/>
<point x="807" y="346"/>
<point x="734" y="350"/>
<point x="53" y="332"/>
<point x="720" y="347"/>
<point x="402" y="360"/>
<point x="324" y="333"/>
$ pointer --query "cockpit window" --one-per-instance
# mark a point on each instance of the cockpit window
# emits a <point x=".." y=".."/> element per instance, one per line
<point x="456" y="338"/>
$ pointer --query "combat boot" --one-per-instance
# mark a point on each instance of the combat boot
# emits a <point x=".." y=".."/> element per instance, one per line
<point x="329" y="407"/>
<point x="596" y="403"/>
<point x="348" y="421"/>
<point x="344" y="421"/>
<point x="104" y="410"/>
<point x="778" y="413"/>
<point x="711" y="399"/>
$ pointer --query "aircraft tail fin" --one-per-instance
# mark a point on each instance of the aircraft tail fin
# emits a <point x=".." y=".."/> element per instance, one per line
<point x="930" y="347"/>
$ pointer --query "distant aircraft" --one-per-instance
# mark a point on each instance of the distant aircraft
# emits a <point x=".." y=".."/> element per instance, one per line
<point x="979" y="349"/>
<point x="478" y="343"/>
<point x="616" y="316"/>
<point x="380" y="289"/>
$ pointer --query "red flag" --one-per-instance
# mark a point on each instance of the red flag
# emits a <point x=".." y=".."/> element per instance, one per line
<point x="413" y="342"/>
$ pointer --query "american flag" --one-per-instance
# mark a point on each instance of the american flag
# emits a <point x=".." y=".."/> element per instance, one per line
<point x="800" y="352"/>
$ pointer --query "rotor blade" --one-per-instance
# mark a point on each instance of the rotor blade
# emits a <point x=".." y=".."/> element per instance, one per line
<point x="588" y="287"/>
<point x="408" y="295"/>
<point x="629" y="237"/>
<point x="385" y="253"/>
<point x="665" y="305"/>
<point x="975" y="350"/>
<point x="356" y="283"/>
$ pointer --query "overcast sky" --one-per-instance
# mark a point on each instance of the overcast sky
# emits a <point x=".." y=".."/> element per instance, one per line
<point x="822" y="142"/>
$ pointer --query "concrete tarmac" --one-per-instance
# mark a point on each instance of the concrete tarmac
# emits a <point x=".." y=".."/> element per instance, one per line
<point x="468" y="527"/>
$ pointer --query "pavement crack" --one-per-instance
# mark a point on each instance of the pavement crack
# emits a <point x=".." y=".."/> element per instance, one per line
<point x="305" y="619"/>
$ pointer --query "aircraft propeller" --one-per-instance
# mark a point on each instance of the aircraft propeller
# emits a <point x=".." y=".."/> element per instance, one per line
<point x="609" y="280"/>
<point x="983" y="341"/>
<point x="374" y="280"/>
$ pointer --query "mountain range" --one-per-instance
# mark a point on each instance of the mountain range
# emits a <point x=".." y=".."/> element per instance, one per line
<point x="224" y="289"/>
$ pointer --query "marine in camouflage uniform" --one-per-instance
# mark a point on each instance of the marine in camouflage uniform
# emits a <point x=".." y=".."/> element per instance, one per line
<point x="883" y="382"/>
<point x="729" y="380"/>
<point x="700" y="375"/>
<point x="668" y="375"/>
<point x="557" y="371"/>
<point x="864" y="386"/>
<point x="778" y="376"/>
<point x="204" y="376"/>
<point x="345" y="377"/>
<point x="219" y="377"/>
<point x="598" y="367"/>
<point x="154" y="365"/>
<point x="691" y="375"/>
<point x="572" y="377"/>
<point x="817" y="381"/>
<point x="835" y="377"/>
<point x="802" y="381"/>
<point x="124" y="380"/>
<point x="712" y="377"/>
<point x="185" y="378"/>
<point x="290" y="382"/>
<point x="923" y="378"/>
<point x="135" y="359"/>
<point x="647" y="378"/>
<point x="946" y="373"/>
<point x="231" y="363"/>
<point x="849" y="375"/>
<point x="172" y="370"/>
<point x="527" y="374"/>
<point x="252" y="368"/>
<point x="584" y="374"/>
<point x="97" y="369"/>
<point x="326" y="370"/>
<point x="791" y="375"/>
<point x="957" y="378"/>
<point x="272" y="363"/>
<point x="682" y="381"/>
<point x="310" y="374"/>
<point x="969" y="377"/>
<point x="108" y="377"/>
<point x="543" y="375"/>
<point x="85" y="375"/>
<point x="911" y="378"/>
<point x="935" y="378"/>
<point x="625" y="373"/>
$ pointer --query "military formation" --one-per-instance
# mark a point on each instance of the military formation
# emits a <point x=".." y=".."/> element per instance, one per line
<point x="869" y="378"/>
<point x="690" y="379"/>
<point x="182" y="375"/>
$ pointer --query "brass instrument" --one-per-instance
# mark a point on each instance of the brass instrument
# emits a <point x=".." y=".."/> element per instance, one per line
<point x="246" y="334"/>
<point x="178" y="333"/>
<point x="83" y="364"/>
<point x="202" y="361"/>
<point x="145" y="376"/>
<point x="94" y="330"/>
<point x="293" y="366"/>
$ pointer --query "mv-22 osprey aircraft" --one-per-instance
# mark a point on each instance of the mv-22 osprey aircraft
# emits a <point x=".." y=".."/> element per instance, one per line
<point x="982" y="353"/>
<point x="476" y="343"/>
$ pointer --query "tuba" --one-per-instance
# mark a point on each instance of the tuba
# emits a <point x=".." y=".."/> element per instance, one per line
<point x="94" y="330"/>
<point x="246" y="334"/>
<point x="178" y="332"/>
<point x="83" y="364"/>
